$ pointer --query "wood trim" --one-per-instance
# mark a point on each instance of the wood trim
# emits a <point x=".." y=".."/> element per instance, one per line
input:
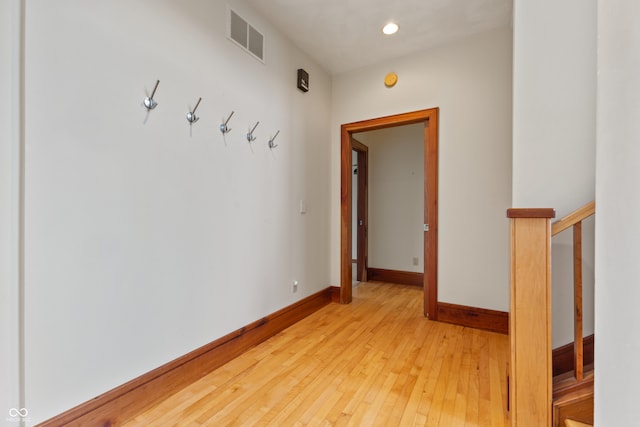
<point x="391" y="121"/>
<point x="346" y="249"/>
<point x="128" y="400"/>
<point x="430" y="118"/>
<point x="474" y="317"/>
<point x="578" y="360"/>
<point x="573" y="218"/>
<point x="531" y="213"/>
<point x="335" y="294"/>
<point x="530" y="320"/>
<point x="431" y="215"/>
<point x="359" y="146"/>
<point x="395" y="276"/>
<point x="563" y="356"/>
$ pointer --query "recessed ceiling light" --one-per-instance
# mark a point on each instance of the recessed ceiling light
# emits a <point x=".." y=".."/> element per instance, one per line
<point x="390" y="28"/>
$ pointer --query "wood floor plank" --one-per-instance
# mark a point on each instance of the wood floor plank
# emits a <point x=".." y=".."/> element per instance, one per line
<point x="448" y="416"/>
<point x="376" y="362"/>
<point x="422" y="389"/>
<point x="472" y="415"/>
<point x="439" y="367"/>
<point x="498" y="384"/>
<point x="484" y="395"/>
<point x="462" y="386"/>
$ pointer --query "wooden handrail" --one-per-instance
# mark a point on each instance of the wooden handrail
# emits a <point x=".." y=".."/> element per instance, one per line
<point x="573" y="218"/>
<point x="530" y="381"/>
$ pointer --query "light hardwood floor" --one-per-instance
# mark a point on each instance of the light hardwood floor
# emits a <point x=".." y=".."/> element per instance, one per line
<point x="375" y="362"/>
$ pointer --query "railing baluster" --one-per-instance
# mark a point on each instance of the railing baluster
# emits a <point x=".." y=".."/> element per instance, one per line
<point x="578" y="348"/>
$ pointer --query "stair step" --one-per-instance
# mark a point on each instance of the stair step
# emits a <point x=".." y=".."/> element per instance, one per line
<point x="573" y="399"/>
<point x="572" y="423"/>
<point x="576" y="406"/>
<point x="566" y="382"/>
<point x="588" y="370"/>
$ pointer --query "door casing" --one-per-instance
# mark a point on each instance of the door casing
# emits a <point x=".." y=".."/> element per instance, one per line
<point x="430" y="119"/>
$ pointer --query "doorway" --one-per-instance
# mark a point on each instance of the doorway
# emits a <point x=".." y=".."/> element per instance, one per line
<point x="429" y="118"/>
<point x="360" y="220"/>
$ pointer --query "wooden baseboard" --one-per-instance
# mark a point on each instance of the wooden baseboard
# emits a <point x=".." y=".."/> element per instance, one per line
<point x="395" y="276"/>
<point x="563" y="356"/>
<point x="128" y="400"/>
<point x="335" y="294"/>
<point x="473" y="317"/>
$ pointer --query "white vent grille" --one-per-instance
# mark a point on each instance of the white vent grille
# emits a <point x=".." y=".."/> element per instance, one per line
<point x="246" y="36"/>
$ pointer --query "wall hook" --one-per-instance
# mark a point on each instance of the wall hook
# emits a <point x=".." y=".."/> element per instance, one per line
<point x="223" y="127"/>
<point x="191" y="115"/>
<point x="149" y="102"/>
<point x="250" y="136"/>
<point x="271" y="144"/>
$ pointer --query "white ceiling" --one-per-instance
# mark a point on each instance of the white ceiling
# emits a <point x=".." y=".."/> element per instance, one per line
<point x="344" y="35"/>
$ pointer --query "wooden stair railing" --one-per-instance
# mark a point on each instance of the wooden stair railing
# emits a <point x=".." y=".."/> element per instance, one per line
<point x="574" y="220"/>
<point x="530" y="383"/>
<point x="573" y="395"/>
<point x="530" y="370"/>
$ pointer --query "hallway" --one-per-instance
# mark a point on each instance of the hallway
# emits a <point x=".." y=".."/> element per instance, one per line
<point x="376" y="361"/>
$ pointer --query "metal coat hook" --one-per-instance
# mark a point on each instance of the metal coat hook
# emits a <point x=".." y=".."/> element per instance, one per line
<point x="149" y="102"/>
<point x="191" y="115"/>
<point x="223" y="127"/>
<point x="271" y="144"/>
<point x="250" y="136"/>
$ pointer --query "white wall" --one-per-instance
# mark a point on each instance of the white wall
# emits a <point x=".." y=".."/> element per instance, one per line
<point x="146" y="239"/>
<point x="396" y="197"/>
<point x="618" y="221"/>
<point x="554" y="80"/>
<point x="10" y="137"/>
<point x="554" y="104"/>
<point x="470" y="80"/>
<point x="10" y="30"/>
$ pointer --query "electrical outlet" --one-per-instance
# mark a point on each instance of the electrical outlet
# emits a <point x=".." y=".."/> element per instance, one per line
<point x="415" y="260"/>
<point x="295" y="286"/>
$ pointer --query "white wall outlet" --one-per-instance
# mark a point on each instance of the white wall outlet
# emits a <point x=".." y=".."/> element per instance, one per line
<point x="295" y="286"/>
<point x="416" y="261"/>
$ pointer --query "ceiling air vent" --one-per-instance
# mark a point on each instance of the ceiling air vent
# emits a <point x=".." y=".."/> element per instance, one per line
<point x="247" y="37"/>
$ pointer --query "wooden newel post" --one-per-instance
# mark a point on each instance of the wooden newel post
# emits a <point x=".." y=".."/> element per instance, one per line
<point x="530" y="318"/>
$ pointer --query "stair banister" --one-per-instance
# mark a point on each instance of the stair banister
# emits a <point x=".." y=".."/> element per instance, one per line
<point x="574" y="220"/>
<point x="530" y="367"/>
